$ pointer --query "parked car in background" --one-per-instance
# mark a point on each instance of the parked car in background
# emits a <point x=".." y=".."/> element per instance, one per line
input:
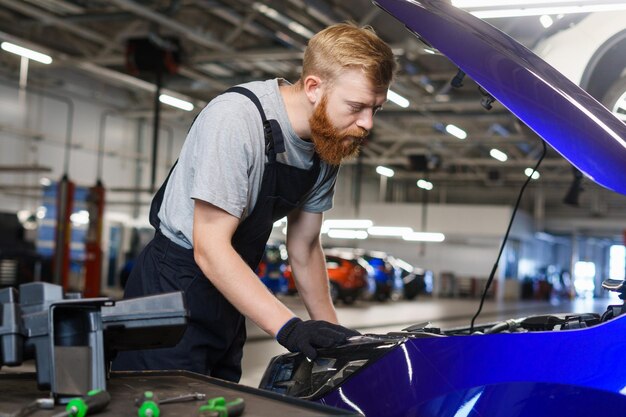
<point x="271" y="270"/>
<point x="413" y="278"/>
<point x="381" y="278"/>
<point x="347" y="277"/>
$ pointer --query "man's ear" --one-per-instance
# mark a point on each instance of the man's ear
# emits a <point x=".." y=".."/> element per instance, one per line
<point x="313" y="88"/>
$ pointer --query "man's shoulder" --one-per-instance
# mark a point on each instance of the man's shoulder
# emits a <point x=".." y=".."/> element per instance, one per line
<point x="237" y="103"/>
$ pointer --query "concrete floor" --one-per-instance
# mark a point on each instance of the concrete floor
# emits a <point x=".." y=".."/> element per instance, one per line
<point x="381" y="318"/>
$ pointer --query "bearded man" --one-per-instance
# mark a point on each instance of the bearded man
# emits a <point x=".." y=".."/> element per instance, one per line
<point x="259" y="152"/>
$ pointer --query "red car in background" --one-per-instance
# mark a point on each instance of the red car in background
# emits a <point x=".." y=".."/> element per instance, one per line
<point x="348" y="278"/>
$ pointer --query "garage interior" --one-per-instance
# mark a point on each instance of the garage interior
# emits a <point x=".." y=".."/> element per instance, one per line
<point x="434" y="186"/>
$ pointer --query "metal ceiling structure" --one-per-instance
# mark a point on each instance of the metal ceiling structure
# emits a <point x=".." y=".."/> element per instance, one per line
<point x="229" y="42"/>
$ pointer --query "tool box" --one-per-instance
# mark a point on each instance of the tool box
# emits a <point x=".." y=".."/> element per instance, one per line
<point x="72" y="340"/>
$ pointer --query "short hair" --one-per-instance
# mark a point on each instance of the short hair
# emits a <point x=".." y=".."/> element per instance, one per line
<point x="345" y="45"/>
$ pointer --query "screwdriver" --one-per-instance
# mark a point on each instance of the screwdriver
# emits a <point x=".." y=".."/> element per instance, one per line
<point x="94" y="401"/>
<point x="148" y="405"/>
<point x="218" y="407"/>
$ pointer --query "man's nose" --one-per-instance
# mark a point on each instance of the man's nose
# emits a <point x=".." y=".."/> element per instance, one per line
<point x="366" y="120"/>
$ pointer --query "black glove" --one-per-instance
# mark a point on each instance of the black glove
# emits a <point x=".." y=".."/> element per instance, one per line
<point x="307" y="336"/>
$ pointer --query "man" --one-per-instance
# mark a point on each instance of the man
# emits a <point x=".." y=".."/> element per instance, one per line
<point x="252" y="157"/>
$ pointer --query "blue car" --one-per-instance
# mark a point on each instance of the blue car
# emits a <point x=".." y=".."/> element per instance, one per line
<point x="272" y="268"/>
<point x="540" y="366"/>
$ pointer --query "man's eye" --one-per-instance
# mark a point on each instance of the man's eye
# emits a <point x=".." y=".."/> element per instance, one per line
<point x="355" y="109"/>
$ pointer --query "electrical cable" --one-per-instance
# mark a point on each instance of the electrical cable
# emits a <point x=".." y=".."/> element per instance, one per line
<point x="506" y="236"/>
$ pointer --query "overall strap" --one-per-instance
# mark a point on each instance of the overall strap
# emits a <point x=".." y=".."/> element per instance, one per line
<point x="274" y="142"/>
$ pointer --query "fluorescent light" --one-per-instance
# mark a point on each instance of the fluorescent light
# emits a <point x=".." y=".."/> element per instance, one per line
<point x="504" y="3"/>
<point x="529" y="172"/>
<point x="347" y="224"/>
<point x="429" y="51"/>
<point x="398" y="99"/>
<point x="388" y="231"/>
<point x="347" y="234"/>
<point x="492" y="14"/>
<point x="426" y="185"/>
<point x="282" y="19"/>
<point x="512" y="8"/>
<point x="384" y="171"/>
<point x="424" y="237"/>
<point x="176" y="102"/>
<point x="499" y="155"/>
<point x="300" y="30"/>
<point x="28" y="53"/>
<point x="546" y="21"/>
<point x="456" y="131"/>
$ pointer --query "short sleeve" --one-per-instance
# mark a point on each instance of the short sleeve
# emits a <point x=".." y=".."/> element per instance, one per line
<point x="223" y="154"/>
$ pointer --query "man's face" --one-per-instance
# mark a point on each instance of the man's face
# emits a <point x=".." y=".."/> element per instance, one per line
<point x="344" y="116"/>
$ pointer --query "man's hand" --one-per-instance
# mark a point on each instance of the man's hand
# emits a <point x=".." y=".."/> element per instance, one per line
<point x="307" y="336"/>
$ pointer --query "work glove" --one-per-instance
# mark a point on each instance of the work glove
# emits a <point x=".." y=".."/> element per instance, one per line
<point x="307" y="336"/>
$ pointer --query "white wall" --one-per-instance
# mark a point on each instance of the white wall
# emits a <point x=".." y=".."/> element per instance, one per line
<point x="34" y="133"/>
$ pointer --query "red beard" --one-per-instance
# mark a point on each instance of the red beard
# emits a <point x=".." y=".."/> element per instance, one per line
<point x="331" y="144"/>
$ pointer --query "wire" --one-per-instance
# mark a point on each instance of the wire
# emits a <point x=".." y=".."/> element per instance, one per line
<point x="506" y="236"/>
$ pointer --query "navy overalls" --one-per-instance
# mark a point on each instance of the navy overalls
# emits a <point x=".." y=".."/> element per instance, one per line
<point x="213" y="342"/>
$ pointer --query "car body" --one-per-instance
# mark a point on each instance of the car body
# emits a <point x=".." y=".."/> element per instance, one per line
<point x="541" y="366"/>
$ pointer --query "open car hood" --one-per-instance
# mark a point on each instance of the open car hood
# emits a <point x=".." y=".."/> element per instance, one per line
<point x="570" y="120"/>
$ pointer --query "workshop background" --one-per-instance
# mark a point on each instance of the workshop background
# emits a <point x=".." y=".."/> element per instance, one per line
<point x="94" y="113"/>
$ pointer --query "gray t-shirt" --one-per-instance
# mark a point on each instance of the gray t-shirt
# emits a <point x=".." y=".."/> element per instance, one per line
<point x="223" y="159"/>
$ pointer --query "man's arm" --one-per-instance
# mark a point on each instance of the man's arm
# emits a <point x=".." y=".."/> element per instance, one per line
<point x="213" y="229"/>
<point x="308" y="264"/>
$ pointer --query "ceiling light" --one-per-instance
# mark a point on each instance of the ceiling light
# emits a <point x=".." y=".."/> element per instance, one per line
<point x="499" y="155"/>
<point x="176" y="102"/>
<point x="27" y="53"/>
<point x="424" y="237"/>
<point x="300" y="30"/>
<point x="388" y="231"/>
<point x="347" y="234"/>
<point x="485" y="9"/>
<point x="456" y="131"/>
<point x="546" y="21"/>
<point x="384" y="171"/>
<point x="505" y="3"/>
<point x="282" y="19"/>
<point x="398" y="99"/>
<point x="529" y="172"/>
<point x="425" y="185"/>
<point x="429" y="51"/>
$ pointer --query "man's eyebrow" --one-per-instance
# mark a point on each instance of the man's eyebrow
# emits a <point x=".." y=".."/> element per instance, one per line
<point x="362" y="104"/>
